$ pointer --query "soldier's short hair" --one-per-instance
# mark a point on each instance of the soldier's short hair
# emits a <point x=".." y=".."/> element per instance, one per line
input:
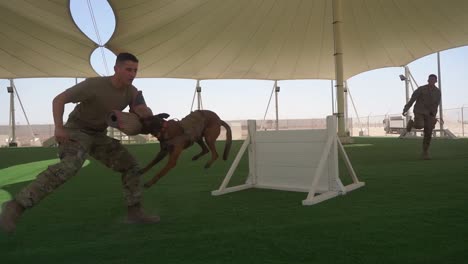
<point x="433" y="75"/>
<point x="125" y="56"/>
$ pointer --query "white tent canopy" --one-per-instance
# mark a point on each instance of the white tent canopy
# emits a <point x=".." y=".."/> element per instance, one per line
<point x="235" y="39"/>
<point x="293" y="39"/>
<point x="38" y="38"/>
<point x="240" y="39"/>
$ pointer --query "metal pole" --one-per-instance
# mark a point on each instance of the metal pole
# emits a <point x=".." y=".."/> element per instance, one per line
<point x="368" y="125"/>
<point x="407" y="83"/>
<point x="277" y="89"/>
<point x="333" y="99"/>
<point x="413" y="79"/>
<point x="199" y="95"/>
<point x="193" y="99"/>
<point x="24" y="111"/>
<point x="441" y="114"/>
<point x="463" y="123"/>
<point x="338" y="54"/>
<point x="354" y="106"/>
<point x="345" y="89"/>
<point x="9" y="114"/>
<point x="13" y="121"/>
<point x="12" y="112"/>
<point x="268" y="105"/>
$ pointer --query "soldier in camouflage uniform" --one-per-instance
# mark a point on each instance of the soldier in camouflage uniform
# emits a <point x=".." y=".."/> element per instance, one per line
<point x="427" y="99"/>
<point x="85" y="134"/>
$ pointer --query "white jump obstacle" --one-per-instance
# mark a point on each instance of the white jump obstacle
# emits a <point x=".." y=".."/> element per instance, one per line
<point x="294" y="160"/>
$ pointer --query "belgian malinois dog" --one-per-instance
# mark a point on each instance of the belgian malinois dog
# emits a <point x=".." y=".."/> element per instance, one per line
<point x="175" y="136"/>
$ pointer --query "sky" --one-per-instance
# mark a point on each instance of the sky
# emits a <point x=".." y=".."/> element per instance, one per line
<point x="377" y="92"/>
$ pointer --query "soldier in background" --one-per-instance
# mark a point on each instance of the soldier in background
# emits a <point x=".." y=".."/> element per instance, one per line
<point x="427" y="98"/>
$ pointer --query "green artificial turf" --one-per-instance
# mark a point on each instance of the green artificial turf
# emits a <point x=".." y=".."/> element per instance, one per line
<point x="22" y="173"/>
<point x="410" y="211"/>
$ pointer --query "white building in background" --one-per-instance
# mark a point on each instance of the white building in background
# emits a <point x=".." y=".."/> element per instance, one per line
<point x="4" y="140"/>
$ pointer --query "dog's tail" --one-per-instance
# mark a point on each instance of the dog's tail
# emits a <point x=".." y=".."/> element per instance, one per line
<point x="227" y="147"/>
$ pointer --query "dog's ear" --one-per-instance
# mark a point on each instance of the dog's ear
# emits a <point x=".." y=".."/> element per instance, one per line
<point x="163" y="115"/>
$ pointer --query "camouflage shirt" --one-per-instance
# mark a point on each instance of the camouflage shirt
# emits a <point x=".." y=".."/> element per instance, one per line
<point x="427" y="100"/>
<point x="97" y="97"/>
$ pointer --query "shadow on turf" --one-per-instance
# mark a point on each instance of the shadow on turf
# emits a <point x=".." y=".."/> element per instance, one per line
<point x="22" y="173"/>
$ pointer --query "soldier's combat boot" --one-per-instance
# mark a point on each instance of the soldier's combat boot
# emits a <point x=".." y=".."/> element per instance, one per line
<point x="137" y="216"/>
<point x="425" y="154"/>
<point x="11" y="212"/>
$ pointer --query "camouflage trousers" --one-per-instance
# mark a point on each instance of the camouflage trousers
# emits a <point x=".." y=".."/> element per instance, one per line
<point x="427" y="122"/>
<point x="73" y="154"/>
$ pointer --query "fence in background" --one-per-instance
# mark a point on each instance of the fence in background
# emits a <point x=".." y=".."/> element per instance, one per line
<point x="455" y="119"/>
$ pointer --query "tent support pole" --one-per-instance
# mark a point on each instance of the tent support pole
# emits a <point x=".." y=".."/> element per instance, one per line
<point x="338" y="55"/>
<point x="277" y="89"/>
<point x="441" y="113"/>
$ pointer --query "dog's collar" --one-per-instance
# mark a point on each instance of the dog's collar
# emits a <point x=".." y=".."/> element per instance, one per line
<point x="163" y="130"/>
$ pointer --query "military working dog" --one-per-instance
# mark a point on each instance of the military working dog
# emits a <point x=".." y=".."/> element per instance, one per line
<point x="199" y="126"/>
